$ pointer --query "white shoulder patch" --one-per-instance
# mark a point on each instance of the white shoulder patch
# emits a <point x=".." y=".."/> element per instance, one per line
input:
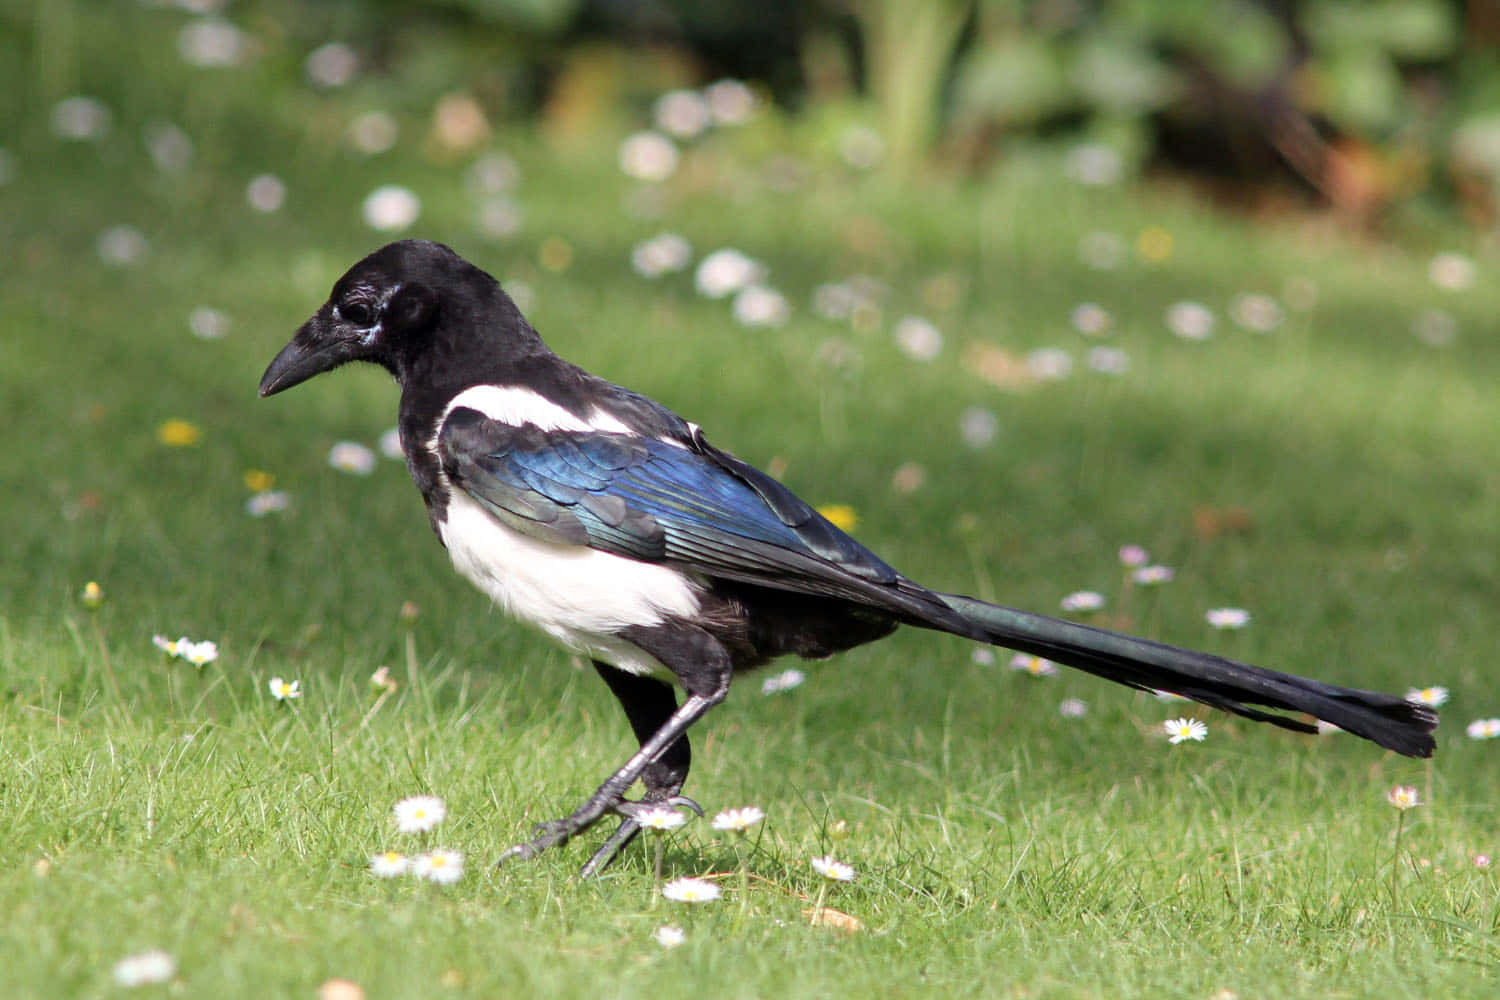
<point x="515" y="407"/>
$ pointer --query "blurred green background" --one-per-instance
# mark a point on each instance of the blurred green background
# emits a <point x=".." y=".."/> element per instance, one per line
<point x="1007" y="286"/>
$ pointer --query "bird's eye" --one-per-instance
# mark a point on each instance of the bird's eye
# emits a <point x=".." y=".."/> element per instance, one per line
<point x="358" y="313"/>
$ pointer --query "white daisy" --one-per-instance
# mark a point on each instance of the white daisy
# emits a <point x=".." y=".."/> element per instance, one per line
<point x="284" y="690"/>
<point x="724" y="272"/>
<point x="1108" y="361"/>
<point x="208" y="323"/>
<point x="389" y="864"/>
<point x="80" y="119"/>
<point x="1255" y="312"/>
<point x="648" y="156"/>
<point x="352" y="457"/>
<point x="142" y="969"/>
<point x="1453" y="271"/>
<point x="1403" y="797"/>
<point x="662" y="254"/>
<point x="212" y="43"/>
<point x="331" y="65"/>
<point x="1150" y="576"/>
<point x="200" y="654"/>
<point x="682" y="113"/>
<point x="1483" y="729"/>
<point x="1182" y="730"/>
<point x="834" y="871"/>
<point x="691" y="890"/>
<point x="1083" y="600"/>
<point x="419" y="813"/>
<point x="660" y="818"/>
<point x="1073" y="708"/>
<point x="442" y="866"/>
<point x="1227" y="618"/>
<point x="1431" y="696"/>
<point x="1090" y="319"/>
<point x="267" y="502"/>
<point x="266" y="193"/>
<point x="738" y="820"/>
<point x="918" y="338"/>
<point x="784" y="681"/>
<point x="1133" y="556"/>
<point x="669" y="935"/>
<point x="391" y="207"/>
<point x="757" y="305"/>
<point x="729" y="101"/>
<point x="978" y="426"/>
<point x="1035" y="666"/>
<point x="1190" y="320"/>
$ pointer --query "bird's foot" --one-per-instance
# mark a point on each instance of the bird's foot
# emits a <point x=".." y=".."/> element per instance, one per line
<point x="557" y="832"/>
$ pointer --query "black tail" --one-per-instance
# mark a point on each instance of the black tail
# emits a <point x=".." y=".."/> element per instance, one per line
<point x="1392" y="722"/>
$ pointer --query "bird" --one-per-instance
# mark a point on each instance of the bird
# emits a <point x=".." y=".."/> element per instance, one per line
<point x="611" y="524"/>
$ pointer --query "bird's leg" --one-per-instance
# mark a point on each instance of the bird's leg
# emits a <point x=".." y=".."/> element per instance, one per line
<point x="703" y="666"/>
<point x="648" y="704"/>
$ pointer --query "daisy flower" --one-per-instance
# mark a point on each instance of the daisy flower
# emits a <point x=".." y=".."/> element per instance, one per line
<point x="419" y="813"/>
<point x="1090" y="319"/>
<point x="784" y="681"/>
<point x="265" y="193"/>
<point x="1181" y="730"/>
<point x="738" y="820"/>
<point x="918" y="338"/>
<point x="1403" y="797"/>
<point x="1133" y="556"/>
<point x="1481" y="861"/>
<point x="1150" y="576"/>
<point x="660" y="818"/>
<point x="1227" y="618"/>
<point x="1036" y="666"/>
<point x="691" y="890"/>
<point x="442" y="866"/>
<point x="391" y="207"/>
<point x="1429" y="696"/>
<point x="352" y="457"/>
<point x="834" y="871"/>
<point x="200" y="654"/>
<point x="724" y="272"/>
<point x="154" y="966"/>
<point x="284" y="690"/>
<point x="92" y="595"/>
<point x="268" y="502"/>
<point x="390" y="864"/>
<point x="757" y="305"/>
<point x="169" y="646"/>
<point x="1482" y="729"/>
<point x="669" y="935"/>
<point x="648" y="156"/>
<point x="1190" y="320"/>
<point x="1073" y="708"/>
<point x="661" y="254"/>
<point x="1083" y="600"/>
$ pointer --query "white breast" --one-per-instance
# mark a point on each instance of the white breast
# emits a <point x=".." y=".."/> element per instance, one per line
<point x="576" y="594"/>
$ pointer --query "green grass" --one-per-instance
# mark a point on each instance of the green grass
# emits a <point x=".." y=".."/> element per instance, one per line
<point x="1002" y="850"/>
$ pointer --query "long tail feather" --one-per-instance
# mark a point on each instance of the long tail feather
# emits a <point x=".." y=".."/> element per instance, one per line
<point x="1385" y="719"/>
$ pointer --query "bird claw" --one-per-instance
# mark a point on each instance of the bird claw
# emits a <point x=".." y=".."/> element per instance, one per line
<point x="557" y="832"/>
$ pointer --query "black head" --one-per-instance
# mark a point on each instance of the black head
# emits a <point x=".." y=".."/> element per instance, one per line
<point x="384" y="310"/>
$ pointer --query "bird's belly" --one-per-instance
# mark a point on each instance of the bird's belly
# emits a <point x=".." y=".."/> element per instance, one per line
<point x="579" y="595"/>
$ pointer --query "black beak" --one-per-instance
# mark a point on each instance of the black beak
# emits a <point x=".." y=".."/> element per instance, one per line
<point x="306" y="355"/>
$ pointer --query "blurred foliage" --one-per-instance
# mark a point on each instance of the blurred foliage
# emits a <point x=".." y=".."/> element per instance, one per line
<point x="1369" y="106"/>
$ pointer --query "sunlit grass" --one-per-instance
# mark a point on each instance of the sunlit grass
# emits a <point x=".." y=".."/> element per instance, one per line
<point x="1335" y="478"/>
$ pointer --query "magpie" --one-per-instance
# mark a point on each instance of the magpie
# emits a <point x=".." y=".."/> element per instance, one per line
<point x="613" y="525"/>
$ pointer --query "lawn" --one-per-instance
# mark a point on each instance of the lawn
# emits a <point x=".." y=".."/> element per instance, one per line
<point x="1334" y="475"/>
